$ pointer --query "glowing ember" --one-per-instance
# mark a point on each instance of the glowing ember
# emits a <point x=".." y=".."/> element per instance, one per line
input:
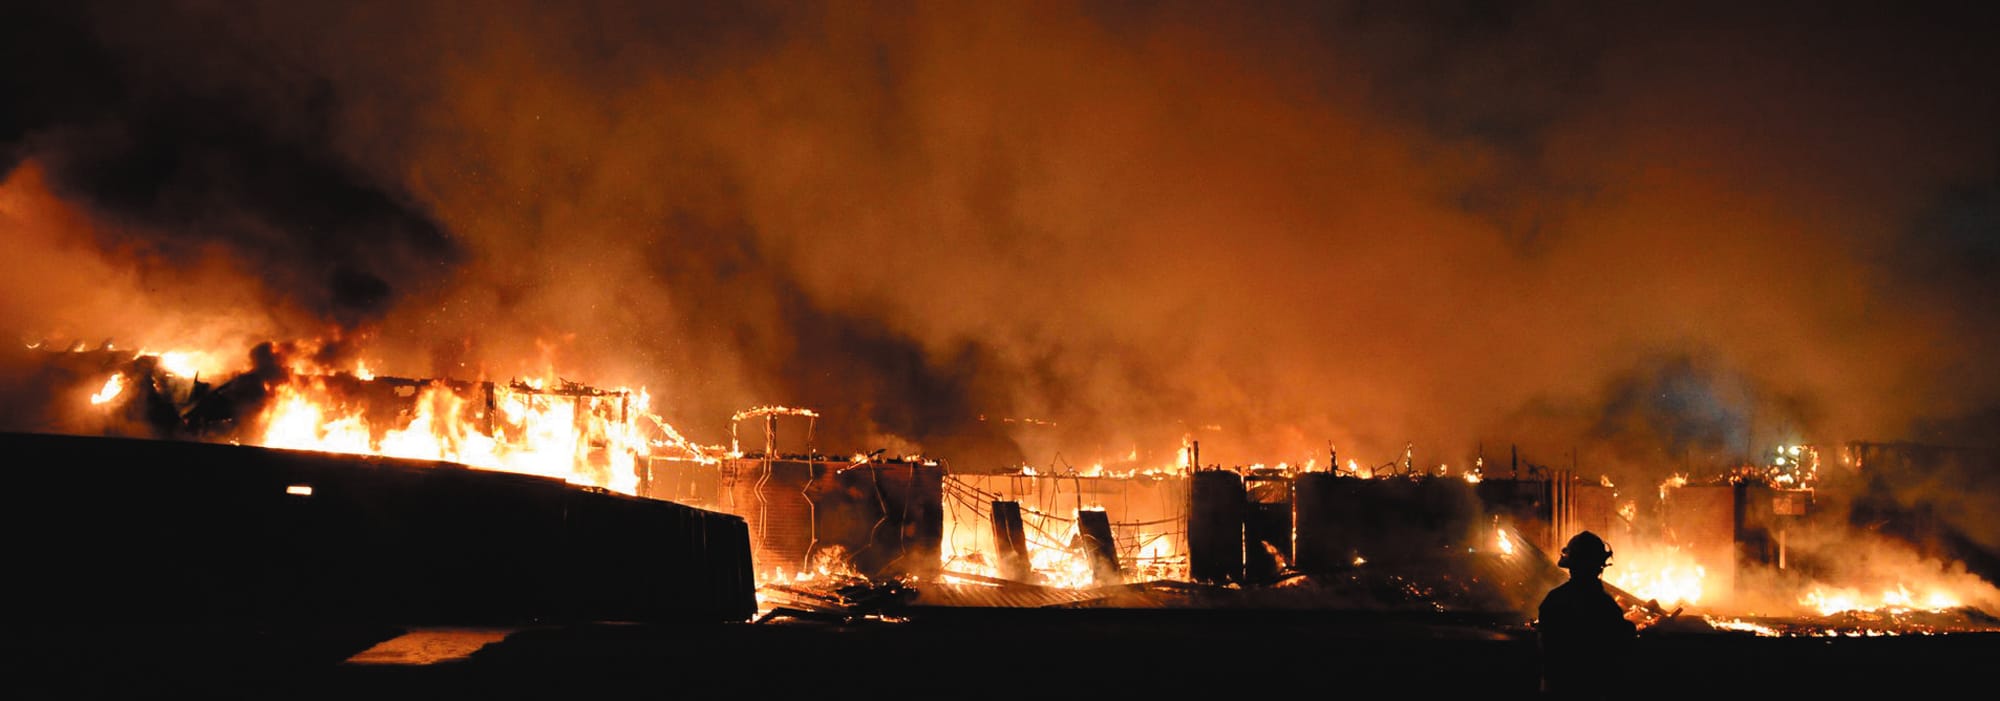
<point x="1743" y="626"/>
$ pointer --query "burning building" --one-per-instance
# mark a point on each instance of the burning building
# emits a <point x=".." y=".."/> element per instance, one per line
<point x="1729" y="547"/>
<point x="287" y="493"/>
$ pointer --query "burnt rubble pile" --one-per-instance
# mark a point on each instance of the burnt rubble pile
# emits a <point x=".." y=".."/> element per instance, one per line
<point x="837" y="599"/>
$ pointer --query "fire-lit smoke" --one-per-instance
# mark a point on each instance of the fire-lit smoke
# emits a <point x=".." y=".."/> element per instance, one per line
<point x="1622" y="237"/>
<point x="1838" y="571"/>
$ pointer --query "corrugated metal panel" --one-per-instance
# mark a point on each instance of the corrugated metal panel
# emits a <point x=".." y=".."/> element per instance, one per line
<point x="772" y="497"/>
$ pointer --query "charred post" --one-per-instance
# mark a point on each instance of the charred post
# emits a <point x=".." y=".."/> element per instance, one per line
<point x="1317" y="546"/>
<point x="1094" y="537"/>
<point x="1010" y="538"/>
<point x="1215" y="527"/>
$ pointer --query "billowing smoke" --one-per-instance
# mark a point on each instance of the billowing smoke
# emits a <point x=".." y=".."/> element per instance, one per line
<point x="1643" y="239"/>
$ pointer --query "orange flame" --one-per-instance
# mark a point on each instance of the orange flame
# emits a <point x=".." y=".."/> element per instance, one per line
<point x="1664" y="574"/>
<point x="584" y="439"/>
<point x="1829" y="601"/>
<point x="112" y="387"/>
<point x="581" y="435"/>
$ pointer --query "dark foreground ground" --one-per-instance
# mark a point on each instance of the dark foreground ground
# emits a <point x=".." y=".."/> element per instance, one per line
<point x="998" y="654"/>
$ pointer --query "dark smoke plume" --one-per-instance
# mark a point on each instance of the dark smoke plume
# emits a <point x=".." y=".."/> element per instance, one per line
<point x="183" y="148"/>
<point x="1639" y="238"/>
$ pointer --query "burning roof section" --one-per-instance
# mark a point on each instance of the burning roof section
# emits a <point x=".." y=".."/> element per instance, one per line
<point x="543" y="426"/>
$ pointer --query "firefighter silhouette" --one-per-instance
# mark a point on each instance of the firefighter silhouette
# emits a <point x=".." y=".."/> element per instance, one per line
<point x="1582" y="632"/>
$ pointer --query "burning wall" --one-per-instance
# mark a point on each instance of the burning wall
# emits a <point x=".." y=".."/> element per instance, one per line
<point x="1147" y="516"/>
<point x="812" y="516"/>
<point x="1755" y="543"/>
<point x="286" y="399"/>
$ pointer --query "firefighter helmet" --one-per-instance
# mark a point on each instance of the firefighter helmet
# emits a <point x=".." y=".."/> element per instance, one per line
<point x="1585" y="548"/>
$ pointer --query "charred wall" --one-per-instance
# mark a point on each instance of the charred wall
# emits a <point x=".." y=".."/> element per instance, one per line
<point x="887" y="517"/>
<point x="882" y="517"/>
<point x="1215" y="526"/>
<point x="1387" y="520"/>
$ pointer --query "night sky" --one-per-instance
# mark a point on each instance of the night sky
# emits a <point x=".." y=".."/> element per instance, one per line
<point x="1637" y="237"/>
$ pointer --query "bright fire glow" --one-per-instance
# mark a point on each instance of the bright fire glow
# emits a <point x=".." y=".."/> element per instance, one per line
<point x="1144" y="512"/>
<point x="1357" y="470"/>
<point x="1829" y="601"/>
<point x="110" y="390"/>
<point x="187" y="363"/>
<point x="577" y="434"/>
<point x="1666" y="574"/>
<point x="1678" y="480"/>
